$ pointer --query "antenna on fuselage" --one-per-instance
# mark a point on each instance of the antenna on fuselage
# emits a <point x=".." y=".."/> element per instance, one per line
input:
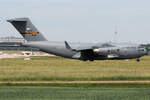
<point x="115" y="34"/>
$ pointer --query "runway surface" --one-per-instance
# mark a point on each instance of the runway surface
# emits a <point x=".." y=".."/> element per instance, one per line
<point x="76" y="82"/>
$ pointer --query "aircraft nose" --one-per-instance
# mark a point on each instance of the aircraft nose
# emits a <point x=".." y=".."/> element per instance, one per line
<point x="142" y="51"/>
<point x="146" y="52"/>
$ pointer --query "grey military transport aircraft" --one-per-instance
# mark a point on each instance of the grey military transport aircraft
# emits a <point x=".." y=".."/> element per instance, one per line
<point x="80" y="51"/>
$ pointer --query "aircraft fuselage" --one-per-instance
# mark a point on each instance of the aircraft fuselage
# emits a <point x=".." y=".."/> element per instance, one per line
<point x="59" y="49"/>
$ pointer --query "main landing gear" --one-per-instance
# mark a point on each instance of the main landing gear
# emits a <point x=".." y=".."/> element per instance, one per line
<point x="91" y="60"/>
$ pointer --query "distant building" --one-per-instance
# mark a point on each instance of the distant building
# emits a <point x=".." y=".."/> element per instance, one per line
<point x="14" y="43"/>
<point x="12" y="39"/>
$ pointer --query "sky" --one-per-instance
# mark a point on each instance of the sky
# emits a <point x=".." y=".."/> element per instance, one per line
<point x="81" y="20"/>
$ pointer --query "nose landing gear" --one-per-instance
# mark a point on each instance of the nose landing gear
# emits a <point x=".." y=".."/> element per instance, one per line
<point x="138" y="59"/>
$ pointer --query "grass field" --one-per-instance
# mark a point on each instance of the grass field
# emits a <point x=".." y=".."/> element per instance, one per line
<point x="56" y="68"/>
<point x="51" y="69"/>
<point x="49" y="93"/>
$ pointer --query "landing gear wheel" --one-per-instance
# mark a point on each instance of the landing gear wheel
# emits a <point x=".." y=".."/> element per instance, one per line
<point x="138" y="59"/>
<point x="91" y="60"/>
<point x="84" y="60"/>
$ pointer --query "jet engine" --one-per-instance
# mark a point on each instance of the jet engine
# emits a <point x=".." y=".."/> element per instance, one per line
<point x="106" y="51"/>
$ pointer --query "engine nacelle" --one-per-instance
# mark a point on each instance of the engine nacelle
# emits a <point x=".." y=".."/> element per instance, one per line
<point x="106" y="51"/>
<point x="101" y="51"/>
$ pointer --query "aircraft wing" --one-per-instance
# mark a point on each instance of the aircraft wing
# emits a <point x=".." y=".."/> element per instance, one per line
<point x="87" y="47"/>
<point x="83" y="47"/>
<point x="93" y="46"/>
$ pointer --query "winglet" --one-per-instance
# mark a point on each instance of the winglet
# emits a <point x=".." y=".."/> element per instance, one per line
<point x="67" y="45"/>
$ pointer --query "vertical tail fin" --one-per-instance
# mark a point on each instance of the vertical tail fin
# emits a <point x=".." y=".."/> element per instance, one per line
<point x="27" y="29"/>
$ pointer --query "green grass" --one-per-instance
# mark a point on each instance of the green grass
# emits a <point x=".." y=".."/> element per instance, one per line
<point x="83" y="85"/>
<point x="49" y="93"/>
<point x="56" y="68"/>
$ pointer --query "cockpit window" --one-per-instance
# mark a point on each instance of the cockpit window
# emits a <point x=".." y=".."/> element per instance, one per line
<point x="141" y="49"/>
<point x="118" y="50"/>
